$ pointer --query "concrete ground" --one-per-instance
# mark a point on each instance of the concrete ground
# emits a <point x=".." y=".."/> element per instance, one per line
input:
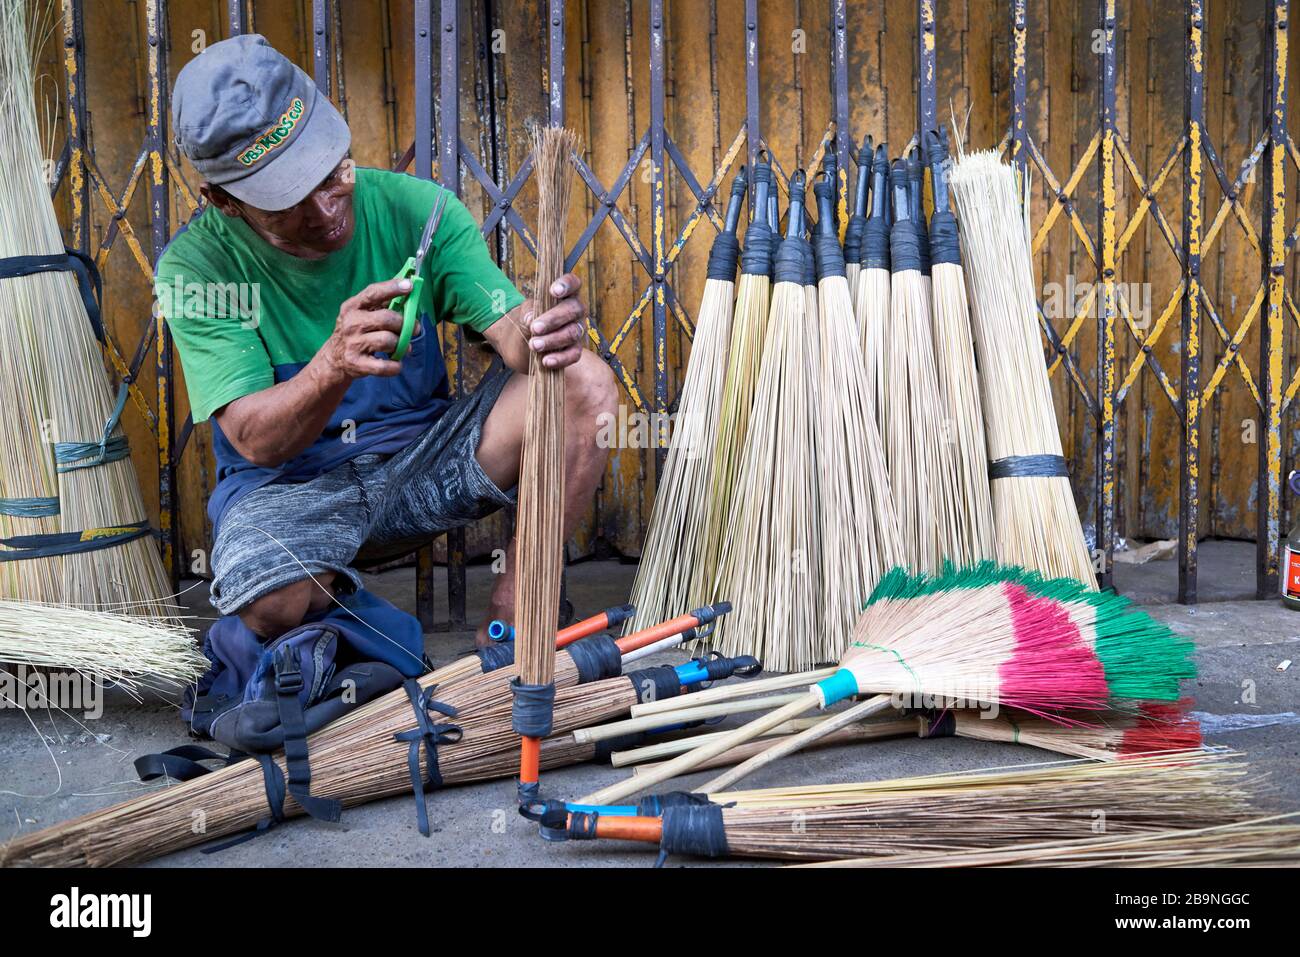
<point x="53" y="768"/>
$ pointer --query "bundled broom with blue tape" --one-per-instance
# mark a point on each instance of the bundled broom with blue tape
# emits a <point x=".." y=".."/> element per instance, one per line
<point x="73" y="526"/>
<point x="987" y="633"/>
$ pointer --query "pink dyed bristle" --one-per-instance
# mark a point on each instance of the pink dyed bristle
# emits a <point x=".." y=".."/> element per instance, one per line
<point x="1052" y="668"/>
<point x="1162" y="727"/>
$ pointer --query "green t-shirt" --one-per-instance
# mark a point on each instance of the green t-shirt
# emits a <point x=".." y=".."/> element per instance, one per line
<point x="246" y="315"/>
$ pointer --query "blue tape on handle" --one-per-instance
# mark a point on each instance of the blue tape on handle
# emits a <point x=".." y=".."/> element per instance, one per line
<point x="838" y="687"/>
<point x="605" y="810"/>
<point x="1029" y="466"/>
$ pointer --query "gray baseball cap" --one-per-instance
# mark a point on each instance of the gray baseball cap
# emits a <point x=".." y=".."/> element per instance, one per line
<point x="240" y="107"/>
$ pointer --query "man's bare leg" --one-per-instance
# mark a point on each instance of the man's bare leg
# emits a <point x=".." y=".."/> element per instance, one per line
<point x="590" y="392"/>
<point x="283" y="609"/>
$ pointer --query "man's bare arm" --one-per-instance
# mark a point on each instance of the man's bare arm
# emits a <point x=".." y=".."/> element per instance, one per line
<point x="270" y="427"/>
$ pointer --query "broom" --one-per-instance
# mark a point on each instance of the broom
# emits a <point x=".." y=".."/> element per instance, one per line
<point x="377" y="750"/>
<point x="73" y="527"/>
<point x="744" y="357"/>
<point x="872" y="301"/>
<point x="771" y="557"/>
<point x="1259" y="842"/>
<point x="857" y="222"/>
<point x="921" y="472"/>
<point x="540" y="531"/>
<point x="1037" y="525"/>
<point x="1109" y="736"/>
<point x="118" y="649"/>
<point x="987" y="633"/>
<point x="676" y="541"/>
<point x="955" y="360"/>
<point x="949" y="812"/>
<point x="859" y="530"/>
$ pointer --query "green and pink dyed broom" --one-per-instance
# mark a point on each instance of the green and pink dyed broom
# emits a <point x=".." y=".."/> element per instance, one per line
<point x="983" y="634"/>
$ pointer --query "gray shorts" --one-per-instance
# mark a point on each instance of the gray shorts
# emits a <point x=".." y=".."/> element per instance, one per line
<point x="278" y="534"/>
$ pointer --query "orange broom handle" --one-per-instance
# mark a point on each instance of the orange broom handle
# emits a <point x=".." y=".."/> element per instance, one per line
<point x="530" y="759"/>
<point x="608" y="618"/>
<point x="673" y="626"/>
<point x="647" y="829"/>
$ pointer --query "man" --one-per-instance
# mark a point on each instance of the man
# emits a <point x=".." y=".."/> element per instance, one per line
<point x="277" y="298"/>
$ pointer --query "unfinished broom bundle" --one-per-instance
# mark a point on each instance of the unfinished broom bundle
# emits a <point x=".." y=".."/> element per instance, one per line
<point x="1037" y="525"/>
<point x="539" y="536"/>
<point x="1258" y="842"/>
<point x="994" y="634"/>
<point x="744" y="358"/>
<point x="949" y="812"/>
<point x="125" y="650"/>
<point x="955" y="361"/>
<point x="859" y="531"/>
<point x="73" y="527"/>
<point x="872" y="300"/>
<point x="770" y="563"/>
<point x="675" y="542"/>
<point x="921" y="468"/>
<point x="392" y="745"/>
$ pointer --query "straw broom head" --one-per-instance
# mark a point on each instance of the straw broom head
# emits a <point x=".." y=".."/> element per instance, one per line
<point x="676" y="542"/>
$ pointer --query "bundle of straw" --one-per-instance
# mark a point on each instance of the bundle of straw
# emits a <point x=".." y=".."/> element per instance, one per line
<point x="977" y="809"/>
<point x="744" y="359"/>
<point x="356" y="759"/>
<point x="64" y="466"/>
<point x="675" y="542"/>
<point x="1037" y="525"/>
<point x="955" y="359"/>
<point x="539" y="540"/>
<point x="872" y="300"/>
<point x="1258" y="842"/>
<point x="121" y="649"/>
<point x="991" y="634"/>
<point x="859" y="530"/>
<point x="921" y="468"/>
<point x="770" y="563"/>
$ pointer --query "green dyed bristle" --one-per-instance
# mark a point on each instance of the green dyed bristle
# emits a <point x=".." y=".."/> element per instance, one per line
<point x="1143" y="659"/>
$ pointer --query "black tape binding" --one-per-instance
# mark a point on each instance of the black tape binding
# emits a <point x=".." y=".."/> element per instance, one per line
<point x="89" y="283"/>
<point x="693" y="829"/>
<point x="1029" y="466"/>
<point x="533" y="709"/>
<point x="499" y="654"/>
<point x="596" y="657"/>
<point x="654" y="684"/>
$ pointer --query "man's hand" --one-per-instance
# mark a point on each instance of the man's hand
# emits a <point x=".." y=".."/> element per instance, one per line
<point x="365" y="326"/>
<point x="556" y="335"/>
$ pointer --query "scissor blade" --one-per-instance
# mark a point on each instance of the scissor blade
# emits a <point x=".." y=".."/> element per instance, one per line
<point x="430" y="226"/>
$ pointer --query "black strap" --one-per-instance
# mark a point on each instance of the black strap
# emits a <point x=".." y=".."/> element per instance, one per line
<point x="428" y="734"/>
<point x="288" y="682"/>
<point x="179" y="764"/>
<point x="70" y="260"/>
<point x="273" y="781"/>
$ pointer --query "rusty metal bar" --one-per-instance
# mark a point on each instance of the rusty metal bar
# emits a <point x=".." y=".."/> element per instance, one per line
<point x="1189" y="498"/>
<point x="237" y="17"/>
<point x="74" y="67"/>
<point x="555" y="64"/>
<point x="925" y="76"/>
<point x="320" y="44"/>
<point x="1019" y="86"/>
<point x="159" y="233"/>
<point x="659" y="243"/>
<point x="1271" y="342"/>
<point x="1107" y="245"/>
<point x="840" y="92"/>
<point x="753" y="99"/>
<point x="423" y="63"/>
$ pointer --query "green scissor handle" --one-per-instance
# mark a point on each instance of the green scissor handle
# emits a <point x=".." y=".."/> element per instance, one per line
<point x="409" y="305"/>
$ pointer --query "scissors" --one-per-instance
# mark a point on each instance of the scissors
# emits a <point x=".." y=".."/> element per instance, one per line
<point x="409" y="303"/>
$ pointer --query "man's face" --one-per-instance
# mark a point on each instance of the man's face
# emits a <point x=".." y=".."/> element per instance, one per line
<point x="322" y="222"/>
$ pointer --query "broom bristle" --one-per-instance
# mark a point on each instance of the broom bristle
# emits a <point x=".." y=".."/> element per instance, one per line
<point x="1037" y="525"/>
<point x="540" y="525"/>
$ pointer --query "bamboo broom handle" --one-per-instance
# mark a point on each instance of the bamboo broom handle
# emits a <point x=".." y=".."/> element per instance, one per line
<point x="780" y="749"/>
<point x="865" y="731"/>
<point x="692" y="759"/>
<point x="743" y="689"/>
<point x="673" y="746"/>
<point x="615" y="728"/>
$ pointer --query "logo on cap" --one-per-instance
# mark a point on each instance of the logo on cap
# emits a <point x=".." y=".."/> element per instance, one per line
<point x="276" y="134"/>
